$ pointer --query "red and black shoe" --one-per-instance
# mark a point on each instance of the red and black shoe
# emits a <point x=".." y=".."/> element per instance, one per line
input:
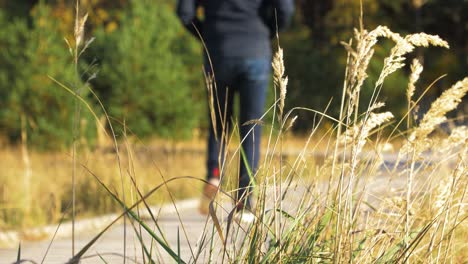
<point x="209" y="191"/>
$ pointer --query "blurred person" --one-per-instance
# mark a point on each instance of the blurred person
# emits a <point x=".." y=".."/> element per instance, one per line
<point x="237" y="35"/>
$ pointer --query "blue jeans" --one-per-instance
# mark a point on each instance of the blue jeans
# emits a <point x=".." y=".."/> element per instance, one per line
<point x="249" y="78"/>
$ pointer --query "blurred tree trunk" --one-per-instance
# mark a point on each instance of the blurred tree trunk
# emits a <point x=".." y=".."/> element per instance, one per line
<point x="314" y="14"/>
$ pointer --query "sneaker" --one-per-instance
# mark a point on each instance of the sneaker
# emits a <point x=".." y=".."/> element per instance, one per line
<point x="209" y="192"/>
<point x="244" y="213"/>
<point x="244" y="217"/>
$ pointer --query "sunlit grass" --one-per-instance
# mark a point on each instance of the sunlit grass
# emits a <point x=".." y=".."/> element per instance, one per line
<point x="50" y="186"/>
<point x="355" y="203"/>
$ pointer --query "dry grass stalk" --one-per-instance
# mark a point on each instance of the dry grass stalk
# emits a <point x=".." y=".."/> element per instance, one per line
<point x="372" y="122"/>
<point x="211" y="89"/>
<point x="375" y="106"/>
<point x="449" y="202"/>
<point x="291" y="122"/>
<point x="280" y="80"/>
<point x="359" y="133"/>
<point x="79" y="27"/>
<point x="356" y="74"/>
<point x="404" y="46"/>
<point x="447" y="102"/>
<point x="458" y="138"/>
<point x="355" y="137"/>
<point x="359" y="60"/>
<point x="416" y="69"/>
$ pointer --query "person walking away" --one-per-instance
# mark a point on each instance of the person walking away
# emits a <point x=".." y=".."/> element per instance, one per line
<point x="237" y="34"/>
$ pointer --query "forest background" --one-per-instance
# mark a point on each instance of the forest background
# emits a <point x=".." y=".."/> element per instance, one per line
<point x="146" y="69"/>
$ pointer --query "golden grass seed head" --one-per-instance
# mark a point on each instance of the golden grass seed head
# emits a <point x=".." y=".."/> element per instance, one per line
<point x="278" y="63"/>
<point x="404" y="46"/>
<point x="372" y="122"/>
<point x="447" y="102"/>
<point x="79" y="29"/>
<point x="416" y="69"/>
<point x="359" y="133"/>
<point x="291" y="122"/>
<point x="442" y="193"/>
<point x="278" y="76"/>
<point x="376" y="106"/>
<point x="458" y="137"/>
<point x="425" y="40"/>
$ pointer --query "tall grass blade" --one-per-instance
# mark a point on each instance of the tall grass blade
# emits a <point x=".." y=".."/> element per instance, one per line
<point x="153" y="218"/>
<point x="253" y="245"/>
<point x="127" y="210"/>
<point x="140" y="221"/>
<point x="18" y="257"/>
<point x="142" y="243"/>
<point x="55" y="233"/>
<point x="249" y="170"/>
<point x="359" y="248"/>
<point x="216" y="222"/>
<point x="178" y="246"/>
<point x="81" y="99"/>
<point x="391" y="254"/>
<point x="415" y="242"/>
<point x="102" y="258"/>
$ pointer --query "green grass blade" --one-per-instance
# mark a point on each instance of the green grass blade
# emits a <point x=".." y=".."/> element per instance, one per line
<point x="249" y="170"/>
<point x="253" y="246"/>
<point x="102" y="258"/>
<point x="359" y="248"/>
<point x="140" y="239"/>
<point x="141" y="222"/>
<point x="81" y="99"/>
<point x="216" y="222"/>
<point x="326" y="218"/>
<point x="323" y="222"/>
<point x="415" y="242"/>
<point x="127" y="210"/>
<point x="178" y="245"/>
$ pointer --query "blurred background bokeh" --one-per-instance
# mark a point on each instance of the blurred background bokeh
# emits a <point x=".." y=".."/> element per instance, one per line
<point x="147" y="71"/>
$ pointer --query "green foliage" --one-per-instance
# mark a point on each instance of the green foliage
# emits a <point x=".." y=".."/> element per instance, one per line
<point x="27" y="95"/>
<point x="143" y="80"/>
<point x="151" y="69"/>
<point x="315" y="76"/>
<point x="333" y="21"/>
<point x="393" y="92"/>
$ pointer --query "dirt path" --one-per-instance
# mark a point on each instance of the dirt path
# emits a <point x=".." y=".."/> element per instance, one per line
<point x="191" y="227"/>
<point x="110" y="245"/>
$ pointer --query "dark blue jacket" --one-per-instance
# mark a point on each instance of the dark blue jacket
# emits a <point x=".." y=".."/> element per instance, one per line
<point x="236" y="28"/>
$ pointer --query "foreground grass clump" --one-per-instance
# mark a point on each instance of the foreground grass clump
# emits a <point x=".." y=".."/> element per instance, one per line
<point x="357" y="203"/>
<point x="372" y="206"/>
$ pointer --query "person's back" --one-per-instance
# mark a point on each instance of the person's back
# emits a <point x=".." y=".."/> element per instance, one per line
<point x="237" y="34"/>
<point x="236" y="28"/>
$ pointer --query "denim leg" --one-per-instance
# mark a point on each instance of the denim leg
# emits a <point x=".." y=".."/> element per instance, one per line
<point x="252" y="87"/>
<point x="223" y="104"/>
